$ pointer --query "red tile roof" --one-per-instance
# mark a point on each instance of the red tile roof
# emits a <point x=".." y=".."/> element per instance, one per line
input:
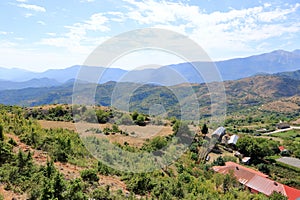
<point x="265" y="185"/>
<point x="257" y="181"/>
<point x="281" y="148"/>
<point x="292" y="193"/>
<point x="239" y="170"/>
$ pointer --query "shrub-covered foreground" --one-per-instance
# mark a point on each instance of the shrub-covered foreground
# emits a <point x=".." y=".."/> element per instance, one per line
<point x="19" y="172"/>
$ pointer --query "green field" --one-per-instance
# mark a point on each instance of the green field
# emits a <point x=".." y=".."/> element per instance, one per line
<point x="288" y="134"/>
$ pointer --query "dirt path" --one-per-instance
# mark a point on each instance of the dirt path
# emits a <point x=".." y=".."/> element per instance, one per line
<point x="283" y="130"/>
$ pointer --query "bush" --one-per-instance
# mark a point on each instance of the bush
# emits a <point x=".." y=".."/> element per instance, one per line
<point x="140" y="120"/>
<point x="219" y="161"/>
<point x="101" y="193"/>
<point x="89" y="175"/>
<point x="102" y="116"/>
<point x="12" y="142"/>
<point x="263" y="168"/>
<point x="134" y="115"/>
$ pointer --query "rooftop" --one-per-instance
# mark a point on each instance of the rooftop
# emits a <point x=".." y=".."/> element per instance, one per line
<point x="257" y="181"/>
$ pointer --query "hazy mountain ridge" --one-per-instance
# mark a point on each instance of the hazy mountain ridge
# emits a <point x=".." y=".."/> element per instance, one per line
<point x="233" y="69"/>
<point x="33" y="83"/>
<point x="251" y="91"/>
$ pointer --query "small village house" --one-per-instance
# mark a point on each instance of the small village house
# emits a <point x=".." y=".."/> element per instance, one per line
<point x="257" y="182"/>
<point x="219" y="133"/>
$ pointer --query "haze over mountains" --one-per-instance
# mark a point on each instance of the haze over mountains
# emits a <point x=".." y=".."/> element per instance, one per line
<point x="233" y="69"/>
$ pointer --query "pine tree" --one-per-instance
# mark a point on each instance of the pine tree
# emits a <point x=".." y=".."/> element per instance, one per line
<point x="58" y="186"/>
<point x="21" y="160"/>
<point x="204" y="129"/>
<point x="50" y="169"/>
<point x="1" y="133"/>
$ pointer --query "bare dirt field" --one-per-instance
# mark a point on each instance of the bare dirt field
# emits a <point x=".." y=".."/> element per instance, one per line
<point x="137" y="134"/>
<point x="9" y="195"/>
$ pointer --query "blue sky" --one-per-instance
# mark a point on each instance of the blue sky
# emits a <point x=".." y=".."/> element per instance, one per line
<point x="43" y="34"/>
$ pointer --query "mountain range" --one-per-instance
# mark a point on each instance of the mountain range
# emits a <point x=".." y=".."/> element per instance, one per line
<point x="233" y="69"/>
<point x="244" y="93"/>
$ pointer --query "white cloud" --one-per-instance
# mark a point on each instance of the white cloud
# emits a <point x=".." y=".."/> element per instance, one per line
<point x="41" y="23"/>
<point x="22" y="1"/>
<point x="116" y="16"/>
<point x="19" y="38"/>
<point x="76" y="39"/>
<point x="4" y="33"/>
<point x="7" y="44"/>
<point x="51" y="34"/>
<point x="27" y="15"/>
<point x="32" y="7"/>
<point x="231" y="32"/>
<point x="88" y="1"/>
<point x="234" y="30"/>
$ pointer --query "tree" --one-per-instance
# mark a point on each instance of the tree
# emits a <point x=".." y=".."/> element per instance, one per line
<point x="49" y="169"/>
<point x="1" y="133"/>
<point x="103" y="169"/>
<point x="251" y="147"/>
<point x="75" y="190"/>
<point x="263" y="168"/>
<point x="102" y="116"/>
<point x="226" y="183"/>
<point x="101" y="193"/>
<point x="115" y="128"/>
<point x="5" y="152"/>
<point x="47" y="191"/>
<point x="277" y="196"/>
<point x="140" y="183"/>
<point x="140" y="120"/>
<point x="219" y="161"/>
<point x="126" y="120"/>
<point x="134" y="115"/>
<point x="204" y="129"/>
<point x="21" y="160"/>
<point x="58" y="186"/>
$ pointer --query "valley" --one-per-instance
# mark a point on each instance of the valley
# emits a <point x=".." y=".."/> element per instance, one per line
<point x="48" y="134"/>
<point x="76" y="151"/>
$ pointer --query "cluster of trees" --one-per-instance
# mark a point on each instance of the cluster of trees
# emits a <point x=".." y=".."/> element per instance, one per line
<point x="257" y="148"/>
<point x="237" y="121"/>
<point x="56" y="113"/>
<point x="84" y="113"/>
<point x="139" y="119"/>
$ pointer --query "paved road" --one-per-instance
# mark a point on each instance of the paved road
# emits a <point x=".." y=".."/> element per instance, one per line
<point x="283" y="130"/>
<point x="290" y="161"/>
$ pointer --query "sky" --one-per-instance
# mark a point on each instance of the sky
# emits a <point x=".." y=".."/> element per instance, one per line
<point x="38" y="35"/>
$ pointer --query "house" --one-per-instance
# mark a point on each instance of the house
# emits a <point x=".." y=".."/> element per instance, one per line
<point x="238" y="154"/>
<point x="282" y="125"/>
<point x="284" y="151"/>
<point x="256" y="181"/>
<point x="219" y="133"/>
<point x="246" y="160"/>
<point x="233" y="140"/>
<point x="281" y="148"/>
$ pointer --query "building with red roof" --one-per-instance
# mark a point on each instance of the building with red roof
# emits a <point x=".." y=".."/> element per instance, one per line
<point x="256" y="181"/>
<point x="281" y="148"/>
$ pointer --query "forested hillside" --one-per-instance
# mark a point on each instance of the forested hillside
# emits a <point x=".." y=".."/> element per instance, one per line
<point x="240" y="94"/>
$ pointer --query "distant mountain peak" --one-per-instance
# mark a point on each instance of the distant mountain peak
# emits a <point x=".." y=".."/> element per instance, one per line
<point x="296" y="51"/>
